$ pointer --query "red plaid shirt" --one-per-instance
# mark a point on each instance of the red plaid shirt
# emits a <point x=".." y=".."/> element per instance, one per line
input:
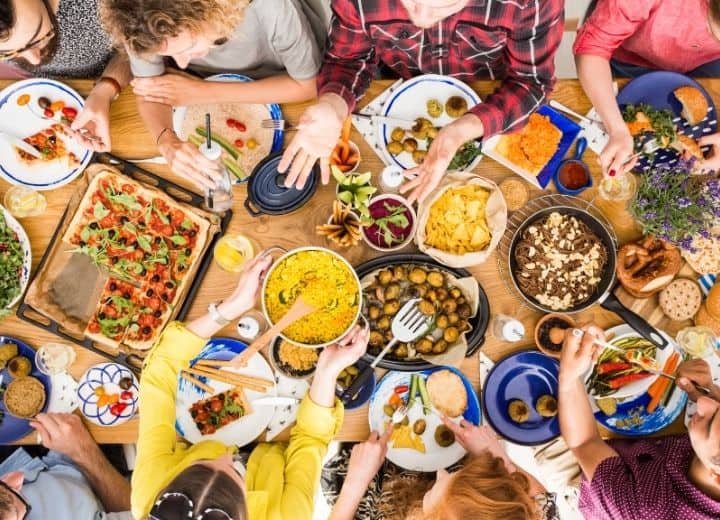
<point x="512" y="40"/>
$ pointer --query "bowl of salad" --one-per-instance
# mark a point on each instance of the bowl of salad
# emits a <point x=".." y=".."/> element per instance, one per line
<point x="15" y="261"/>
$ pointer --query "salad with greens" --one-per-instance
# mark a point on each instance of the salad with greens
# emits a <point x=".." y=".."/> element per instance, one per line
<point x="11" y="262"/>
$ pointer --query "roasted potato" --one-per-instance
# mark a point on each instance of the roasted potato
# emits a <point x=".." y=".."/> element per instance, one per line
<point x="431" y="295"/>
<point x="440" y="346"/>
<point x="410" y="145"/>
<point x="384" y="277"/>
<point x="399" y="273"/>
<point x="464" y="310"/>
<point x="442" y="294"/>
<point x="419" y="156"/>
<point x="451" y="334"/>
<point x="435" y="279"/>
<point x="442" y="322"/>
<point x="374" y="312"/>
<point x="401" y="351"/>
<point x="392" y="292"/>
<point x="455" y="292"/>
<point x="394" y="147"/>
<point x="398" y="134"/>
<point x="434" y="108"/>
<point x="376" y="339"/>
<point x="417" y="275"/>
<point x="456" y="106"/>
<point x="453" y="318"/>
<point x="418" y="291"/>
<point x="449" y="306"/>
<point x="463" y="325"/>
<point x="433" y="132"/>
<point x="426" y="307"/>
<point x="424" y="346"/>
<point x="391" y="307"/>
<point x="388" y="335"/>
<point x="420" y="129"/>
<point x="383" y="324"/>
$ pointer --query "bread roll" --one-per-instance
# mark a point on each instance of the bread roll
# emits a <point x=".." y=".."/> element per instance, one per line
<point x="694" y="104"/>
<point x="712" y="303"/>
<point x="704" y="319"/>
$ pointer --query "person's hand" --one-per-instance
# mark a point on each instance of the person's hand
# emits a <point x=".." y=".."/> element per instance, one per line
<point x="91" y="127"/>
<point x="366" y="459"/>
<point x="345" y="352"/>
<point x="249" y="284"/>
<point x="318" y="132"/>
<point x="185" y="159"/>
<point x="713" y="162"/>
<point x="426" y="176"/>
<point x="476" y="439"/>
<point x="618" y="150"/>
<point x="704" y="432"/>
<point x="696" y="372"/>
<point x="170" y="89"/>
<point x="64" y="433"/>
<point x="579" y="352"/>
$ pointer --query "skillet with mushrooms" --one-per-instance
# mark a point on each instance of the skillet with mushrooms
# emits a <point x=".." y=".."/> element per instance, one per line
<point x="392" y="286"/>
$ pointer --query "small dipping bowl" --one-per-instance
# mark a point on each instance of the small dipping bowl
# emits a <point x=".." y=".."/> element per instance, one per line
<point x="573" y="175"/>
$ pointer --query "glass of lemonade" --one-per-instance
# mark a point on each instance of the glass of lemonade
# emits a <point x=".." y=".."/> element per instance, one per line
<point x="22" y="202"/>
<point x="232" y="251"/>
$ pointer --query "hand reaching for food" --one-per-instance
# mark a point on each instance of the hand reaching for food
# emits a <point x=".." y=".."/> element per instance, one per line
<point x="186" y="161"/>
<point x="248" y="288"/>
<point x="578" y="352"/>
<point x="616" y="152"/>
<point x="64" y="433"/>
<point x="476" y="439"/>
<point x="345" y="352"/>
<point x="696" y="373"/>
<point x="367" y="458"/>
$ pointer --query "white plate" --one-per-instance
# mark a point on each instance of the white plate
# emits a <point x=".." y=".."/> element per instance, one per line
<point x="244" y="430"/>
<point x="435" y="457"/>
<point x="408" y="102"/>
<point x="638" y="387"/>
<point x="107" y="376"/>
<point x="27" y="253"/>
<point x="21" y="122"/>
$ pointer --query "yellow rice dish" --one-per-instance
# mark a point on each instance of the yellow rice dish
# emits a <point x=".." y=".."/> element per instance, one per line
<point x="326" y="283"/>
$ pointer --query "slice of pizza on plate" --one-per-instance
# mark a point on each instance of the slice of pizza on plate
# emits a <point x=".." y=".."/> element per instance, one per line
<point x="50" y="142"/>
<point x="219" y="410"/>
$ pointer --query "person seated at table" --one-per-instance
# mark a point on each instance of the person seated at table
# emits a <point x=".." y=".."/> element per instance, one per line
<point x="631" y="37"/>
<point x="488" y="486"/>
<point x="73" y="481"/>
<point x="63" y="39"/>
<point x="173" y="480"/>
<point x="511" y="41"/>
<point x="271" y="41"/>
<point x="661" y="478"/>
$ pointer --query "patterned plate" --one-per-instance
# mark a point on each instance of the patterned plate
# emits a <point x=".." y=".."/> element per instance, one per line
<point x="106" y="376"/>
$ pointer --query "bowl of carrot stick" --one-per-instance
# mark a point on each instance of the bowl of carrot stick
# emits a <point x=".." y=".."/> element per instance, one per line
<point x="346" y="155"/>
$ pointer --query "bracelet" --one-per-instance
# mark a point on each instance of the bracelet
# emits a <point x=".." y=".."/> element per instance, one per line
<point x="162" y="132"/>
<point x="113" y="82"/>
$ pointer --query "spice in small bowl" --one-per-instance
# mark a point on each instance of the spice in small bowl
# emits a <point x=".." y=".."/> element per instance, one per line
<point x="550" y="333"/>
<point x="293" y="361"/>
<point x="392" y="223"/>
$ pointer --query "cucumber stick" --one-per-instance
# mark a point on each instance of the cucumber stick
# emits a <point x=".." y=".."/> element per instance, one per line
<point x="424" y="397"/>
<point x="227" y="146"/>
<point x="228" y="162"/>
<point x="413" y="391"/>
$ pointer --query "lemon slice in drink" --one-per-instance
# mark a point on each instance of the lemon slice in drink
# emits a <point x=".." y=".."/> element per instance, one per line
<point x="231" y="252"/>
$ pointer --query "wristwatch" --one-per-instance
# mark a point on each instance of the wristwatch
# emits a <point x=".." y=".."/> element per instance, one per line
<point x="216" y="316"/>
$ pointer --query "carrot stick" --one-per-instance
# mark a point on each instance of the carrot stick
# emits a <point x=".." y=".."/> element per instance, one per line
<point x="663" y="382"/>
<point x="352" y="158"/>
<point x="344" y="167"/>
<point x="345" y="134"/>
<point x="335" y="158"/>
<point x="343" y="151"/>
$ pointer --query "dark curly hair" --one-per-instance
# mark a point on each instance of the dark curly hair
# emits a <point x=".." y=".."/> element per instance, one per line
<point x="7" y="18"/>
<point x="143" y="25"/>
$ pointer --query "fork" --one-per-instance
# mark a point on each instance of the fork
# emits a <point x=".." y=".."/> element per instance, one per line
<point x="406" y="326"/>
<point x="277" y="124"/>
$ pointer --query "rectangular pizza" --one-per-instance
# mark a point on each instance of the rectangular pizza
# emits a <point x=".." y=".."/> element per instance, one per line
<point x="115" y="309"/>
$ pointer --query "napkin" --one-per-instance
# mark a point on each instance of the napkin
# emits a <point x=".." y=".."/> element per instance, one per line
<point x="366" y="127"/>
<point x="286" y="415"/>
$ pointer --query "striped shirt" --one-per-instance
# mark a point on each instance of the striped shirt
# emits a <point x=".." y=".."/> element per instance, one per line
<point x="511" y="40"/>
<point x="648" y="481"/>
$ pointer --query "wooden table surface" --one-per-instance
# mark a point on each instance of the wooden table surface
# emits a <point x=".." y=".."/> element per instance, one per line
<point x="131" y="140"/>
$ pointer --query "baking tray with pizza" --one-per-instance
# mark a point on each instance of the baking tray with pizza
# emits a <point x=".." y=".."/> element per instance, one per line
<point x="127" y="258"/>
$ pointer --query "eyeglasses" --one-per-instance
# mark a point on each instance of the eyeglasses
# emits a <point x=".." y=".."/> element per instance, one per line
<point x="19" y="497"/>
<point x="172" y="506"/>
<point x="40" y="42"/>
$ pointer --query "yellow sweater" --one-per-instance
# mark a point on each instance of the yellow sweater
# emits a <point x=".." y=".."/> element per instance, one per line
<point x="281" y="477"/>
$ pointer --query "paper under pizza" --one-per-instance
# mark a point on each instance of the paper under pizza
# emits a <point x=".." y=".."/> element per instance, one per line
<point x="51" y="145"/>
<point x="147" y="243"/>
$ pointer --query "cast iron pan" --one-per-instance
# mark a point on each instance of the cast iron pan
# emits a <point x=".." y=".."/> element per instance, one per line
<point x="604" y="294"/>
<point x="479" y="322"/>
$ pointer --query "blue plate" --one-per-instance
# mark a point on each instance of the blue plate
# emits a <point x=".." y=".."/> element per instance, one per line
<point x="524" y="375"/>
<point x="365" y="392"/>
<point x="632" y="419"/>
<point x="14" y="428"/>
<point x="656" y="89"/>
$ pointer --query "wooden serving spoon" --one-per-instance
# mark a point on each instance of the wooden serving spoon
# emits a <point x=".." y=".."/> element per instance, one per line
<point x="299" y="309"/>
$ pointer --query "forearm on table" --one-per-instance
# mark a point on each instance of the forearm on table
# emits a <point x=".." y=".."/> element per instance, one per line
<point x="275" y="89"/>
<point x="119" y="69"/>
<point x="578" y="428"/>
<point x="156" y="116"/>
<point x="206" y="327"/>
<point x="597" y="82"/>
<point x="322" y="390"/>
<point x="109" y="485"/>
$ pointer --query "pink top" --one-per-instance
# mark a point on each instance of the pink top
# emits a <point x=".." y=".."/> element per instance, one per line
<point x="659" y="34"/>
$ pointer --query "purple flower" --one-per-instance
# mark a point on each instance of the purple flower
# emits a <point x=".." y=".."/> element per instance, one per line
<point x="650" y="215"/>
<point x="686" y="243"/>
<point x="704" y="233"/>
<point x="683" y="202"/>
<point x="701" y="201"/>
<point x="667" y="226"/>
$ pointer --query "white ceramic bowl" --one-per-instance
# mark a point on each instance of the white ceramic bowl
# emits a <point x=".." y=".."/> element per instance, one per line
<point x="411" y="235"/>
<point x="27" y="254"/>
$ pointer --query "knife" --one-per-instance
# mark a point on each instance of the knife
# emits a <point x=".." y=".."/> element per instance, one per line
<point x="390" y="121"/>
<point x="275" y="401"/>
<point x="19" y="143"/>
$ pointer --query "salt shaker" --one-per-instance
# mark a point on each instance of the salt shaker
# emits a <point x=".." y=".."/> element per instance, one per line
<point x="507" y="328"/>
<point x="391" y="178"/>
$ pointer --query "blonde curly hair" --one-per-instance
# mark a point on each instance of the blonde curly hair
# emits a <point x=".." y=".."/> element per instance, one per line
<point x="143" y="25"/>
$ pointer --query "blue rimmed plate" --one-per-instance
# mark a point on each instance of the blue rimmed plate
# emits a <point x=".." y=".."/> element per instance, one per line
<point x="526" y="376"/>
<point x="244" y="430"/>
<point x="27" y="253"/>
<point x="14" y="428"/>
<point x="435" y="457"/>
<point x="106" y="376"/>
<point x="21" y="121"/>
<point x="408" y="102"/>
<point x="656" y="89"/>
<point x="570" y="130"/>
<point x="273" y="112"/>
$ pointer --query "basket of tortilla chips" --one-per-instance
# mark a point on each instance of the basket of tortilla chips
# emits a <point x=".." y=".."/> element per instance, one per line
<point x="462" y="221"/>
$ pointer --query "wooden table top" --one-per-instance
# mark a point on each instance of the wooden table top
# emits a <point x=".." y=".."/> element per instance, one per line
<point x="131" y="140"/>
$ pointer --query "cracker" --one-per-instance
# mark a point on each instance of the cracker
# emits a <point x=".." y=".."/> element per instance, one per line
<point x="706" y="258"/>
<point x="681" y="299"/>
